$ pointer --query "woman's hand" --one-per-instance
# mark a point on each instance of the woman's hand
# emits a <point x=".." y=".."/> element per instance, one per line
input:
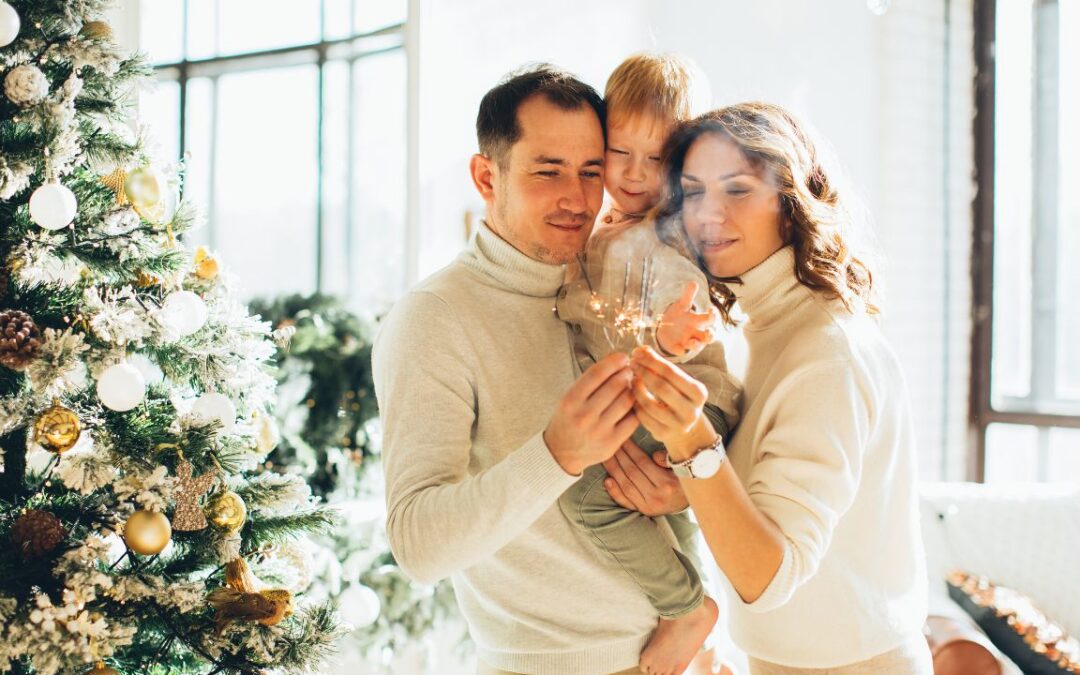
<point x="642" y="483"/>
<point x="667" y="401"/>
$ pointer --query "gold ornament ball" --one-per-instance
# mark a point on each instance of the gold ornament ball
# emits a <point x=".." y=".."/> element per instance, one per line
<point x="147" y="532"/>
<point x="146" y="189"/>
<point x="57" y="429"/>
<point x="101" y="669"/>
<point x="227" y="511"/>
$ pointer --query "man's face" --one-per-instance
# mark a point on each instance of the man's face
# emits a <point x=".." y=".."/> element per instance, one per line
<point x="545" y="199"/>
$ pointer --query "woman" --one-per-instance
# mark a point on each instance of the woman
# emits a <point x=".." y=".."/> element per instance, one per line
<point x="813" y="516"/>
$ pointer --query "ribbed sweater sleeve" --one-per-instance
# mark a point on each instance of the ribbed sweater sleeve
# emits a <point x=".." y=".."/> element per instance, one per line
<point x="809" y="466"/>
<point x="440" y="518"/>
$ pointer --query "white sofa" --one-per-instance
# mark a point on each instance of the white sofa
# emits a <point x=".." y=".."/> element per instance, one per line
<point x="1024" y="536"/>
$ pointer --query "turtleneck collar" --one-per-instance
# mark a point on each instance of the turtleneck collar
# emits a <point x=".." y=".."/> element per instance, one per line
<point x="769" y="290"/>
<point x="494" y="257"/>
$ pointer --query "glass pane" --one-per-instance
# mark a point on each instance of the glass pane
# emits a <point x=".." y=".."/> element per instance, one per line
<point x="200" y="143"/>
<point x="1064" y="456"/>
<point x="254" y="25"/>
<point x="159" y="111"/>
<point x="336" y="165"/>
<point x="202" y="35"/>
<point x="160" y="30"/>
<point x="1068" y="384"/>
<point x="266" y="178"/>
<point x="1011" y="454"/>
<point x="379" y="179"/>
<point x="337" y="19"/>
<point x="372" y="16"/>
<point x="1011" y="368"/>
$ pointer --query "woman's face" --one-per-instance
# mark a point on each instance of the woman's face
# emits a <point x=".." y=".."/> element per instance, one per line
<point x="731" y="213"/>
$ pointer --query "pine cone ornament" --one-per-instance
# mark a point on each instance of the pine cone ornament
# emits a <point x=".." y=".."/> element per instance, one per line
<point x="20" y="339"/>
<point x="26" y="85"/>
<point x="35" y="533"/>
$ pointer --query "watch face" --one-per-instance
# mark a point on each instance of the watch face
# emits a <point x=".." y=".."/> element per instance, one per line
<point x="706" y="464"/>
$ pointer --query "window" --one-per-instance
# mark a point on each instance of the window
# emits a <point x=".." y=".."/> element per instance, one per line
<point x="1025" y="409"/>
<point x="293" y="115"/>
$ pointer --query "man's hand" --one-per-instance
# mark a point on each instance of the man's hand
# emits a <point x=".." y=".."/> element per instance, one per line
<point x="644" y="484"/>
<point x="594" y="417"/>
<point x="681" y="329"/>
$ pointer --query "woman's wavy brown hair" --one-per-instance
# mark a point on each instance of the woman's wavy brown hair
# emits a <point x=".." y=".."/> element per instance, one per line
<point x="814" y="213"/>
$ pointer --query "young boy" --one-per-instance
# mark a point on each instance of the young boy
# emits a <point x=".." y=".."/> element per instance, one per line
<point x="646" y="96"/>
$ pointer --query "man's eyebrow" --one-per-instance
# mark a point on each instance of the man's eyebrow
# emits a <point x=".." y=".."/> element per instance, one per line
<point x="598" y="161"/>
<point x="544" y="159"/>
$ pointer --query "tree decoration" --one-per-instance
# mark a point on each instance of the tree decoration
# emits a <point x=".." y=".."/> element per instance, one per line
<point x="189" y="516"/>
<point x="26" y="85"/>
<point x="36" y="533"/>
<point x="57" y="429"/>
<point x="9" y="24"/>
<point x="227" y="511"/>
<point x="147" y="532"/>
<point x="121" y="387"/>
<point x="20" y="339"/>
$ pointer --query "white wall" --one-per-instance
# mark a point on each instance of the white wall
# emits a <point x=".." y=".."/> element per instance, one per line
<point x="874" y="86"/>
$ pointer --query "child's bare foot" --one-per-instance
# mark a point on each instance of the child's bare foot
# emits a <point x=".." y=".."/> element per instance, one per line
<point x="676" y="641"/>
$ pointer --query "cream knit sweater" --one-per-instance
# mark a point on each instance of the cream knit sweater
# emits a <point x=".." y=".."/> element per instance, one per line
<point x="826" y="450"/>
<point x="468" y="368"/>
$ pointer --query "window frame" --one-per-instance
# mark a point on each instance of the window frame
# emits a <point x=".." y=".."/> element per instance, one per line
<point x="982" y="410"/>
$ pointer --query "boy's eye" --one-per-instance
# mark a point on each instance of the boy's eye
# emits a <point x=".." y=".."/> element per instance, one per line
<point x="618" y="151"/>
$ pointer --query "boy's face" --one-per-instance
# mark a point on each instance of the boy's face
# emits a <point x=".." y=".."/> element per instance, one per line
<point x="633" y="173"/>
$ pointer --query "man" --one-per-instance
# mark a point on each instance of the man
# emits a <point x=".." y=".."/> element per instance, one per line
<point x="486" y="421"/>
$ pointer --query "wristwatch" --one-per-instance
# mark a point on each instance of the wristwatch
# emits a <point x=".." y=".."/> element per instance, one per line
<point x="704" y="464"/>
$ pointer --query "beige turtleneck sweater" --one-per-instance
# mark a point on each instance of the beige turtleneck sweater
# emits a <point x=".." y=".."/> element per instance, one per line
<point x="468" y="368"/>
<point x="826" y="450"/>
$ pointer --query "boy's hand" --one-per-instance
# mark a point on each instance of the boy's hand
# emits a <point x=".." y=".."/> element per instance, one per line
<point x="595" y="416"/>
<point x="681" y="329"/>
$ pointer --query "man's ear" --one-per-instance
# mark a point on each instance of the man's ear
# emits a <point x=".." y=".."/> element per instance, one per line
<point x="482" y="169"/>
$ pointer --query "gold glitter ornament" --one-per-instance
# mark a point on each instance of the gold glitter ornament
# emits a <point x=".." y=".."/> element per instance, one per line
<point x="57" y="429"/>
<point x="116" y="180"/>
<point x="97" y="30"/>
<point x="268" y="607"/>
<point x="189" y="516"/>
<point x="147" y="532"/>
<point x="226" y="510"/>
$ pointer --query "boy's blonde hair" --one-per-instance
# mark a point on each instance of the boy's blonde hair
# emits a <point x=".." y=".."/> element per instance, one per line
<point x="665" y="86"/>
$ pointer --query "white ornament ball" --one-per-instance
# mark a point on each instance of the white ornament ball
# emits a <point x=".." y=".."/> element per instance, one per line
<point x="9" y="24"/>
<point x="267" y="434"/>
<point x="184" y="311"/>
<point x="121" y="387"/>
<point x="26" y="85"/>
<point x="151" y="371"/>
<point x="53" y="206"/>
<point x="359" y="605"/>
<point x="214" y="407"/>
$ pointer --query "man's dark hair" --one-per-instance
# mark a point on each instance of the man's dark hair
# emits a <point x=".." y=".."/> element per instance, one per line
<point x="497" y="126"/>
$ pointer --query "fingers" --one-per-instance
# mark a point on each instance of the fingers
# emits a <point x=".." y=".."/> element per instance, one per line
<point x="617" y="494"/>
<point x="608" y="393"/>
<point x="686" y="300"/>
<point x="660" y="458"/>
<point x="633" y="471"/>
<point x="676" y="408"/>
<point x="644" y="463"/>
<point x="595" y="377"/>
<point x="630" y="480"/>
<point x="647" y="358"/>
<point x="617" y="410"/>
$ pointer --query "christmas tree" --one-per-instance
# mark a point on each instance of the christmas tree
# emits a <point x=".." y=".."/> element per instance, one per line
<point x="135" y="395"/>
